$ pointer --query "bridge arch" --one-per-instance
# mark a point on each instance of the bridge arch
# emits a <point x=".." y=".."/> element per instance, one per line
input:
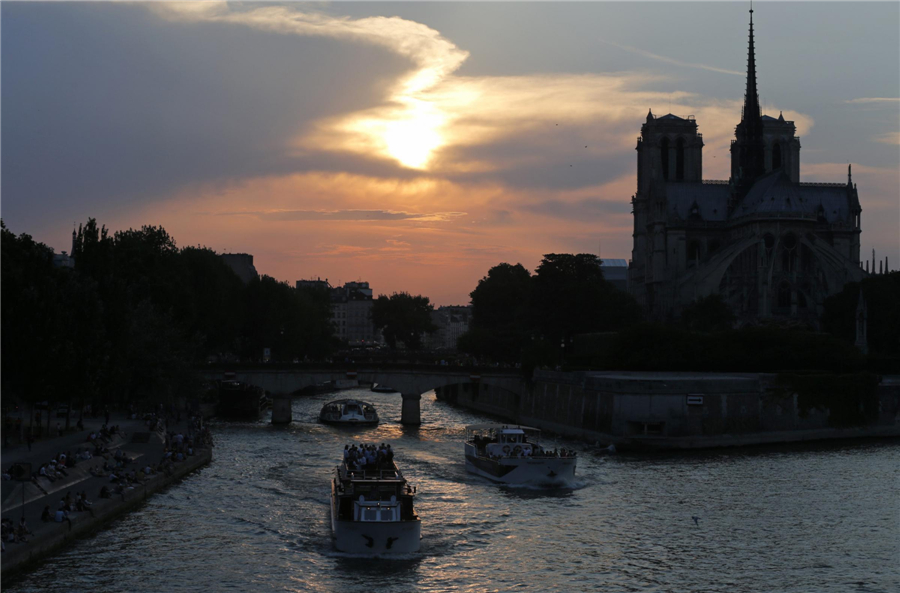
<point x="410" y="381"/>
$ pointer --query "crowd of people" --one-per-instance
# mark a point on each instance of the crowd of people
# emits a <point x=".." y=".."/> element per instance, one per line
<point x="14" y="534"/>
<point x="371" y="457"/>
<point x="120" y="470"/>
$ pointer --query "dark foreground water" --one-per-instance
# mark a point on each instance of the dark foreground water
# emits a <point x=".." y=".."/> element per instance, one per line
<point x="812" y="519"/>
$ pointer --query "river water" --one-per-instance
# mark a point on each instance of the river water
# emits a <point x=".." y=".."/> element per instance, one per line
<point x="816" y="518"/>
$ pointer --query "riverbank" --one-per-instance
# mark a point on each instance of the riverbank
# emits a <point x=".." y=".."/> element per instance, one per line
<point x="691" y="410"/>
<point x="144" y="446"/>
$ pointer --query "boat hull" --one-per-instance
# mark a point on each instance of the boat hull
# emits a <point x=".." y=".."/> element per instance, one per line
<point x="376" y="537"/>
<point x="557" y="471"/>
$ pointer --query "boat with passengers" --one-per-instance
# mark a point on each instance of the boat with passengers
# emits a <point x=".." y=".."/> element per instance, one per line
<point x="514" y="455"/>
<point x="372" y="508"/>
<point x="349" y="411"/>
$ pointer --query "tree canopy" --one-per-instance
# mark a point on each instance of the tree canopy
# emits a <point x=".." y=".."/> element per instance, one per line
<point x="404" y="318"/>
<point x="518" y="316"/>
<point x="136" y="315"/>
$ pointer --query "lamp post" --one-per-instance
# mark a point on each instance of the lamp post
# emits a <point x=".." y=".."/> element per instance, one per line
<point x="562" y="352"/>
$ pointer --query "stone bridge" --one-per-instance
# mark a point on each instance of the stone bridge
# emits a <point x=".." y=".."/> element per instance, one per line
<point x="282" y="381"/>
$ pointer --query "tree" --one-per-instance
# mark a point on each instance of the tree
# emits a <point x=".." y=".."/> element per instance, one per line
<point x="500" y="314"/>
<point x="215" y="307"/>
<point x="501" y="298"/>
<point x="710" y="313"/>
<point x="570" y="297"/>
<point x="290" y="322"/>
<point x="403" y="318"/>
<point x="882" y="295"/>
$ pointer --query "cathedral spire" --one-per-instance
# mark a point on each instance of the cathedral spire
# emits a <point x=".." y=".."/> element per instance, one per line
<point x="751" y="109"/>
<point x="748" y="150"/>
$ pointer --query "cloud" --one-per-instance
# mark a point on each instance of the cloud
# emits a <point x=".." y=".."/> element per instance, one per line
<point x="431" y="118"/>
<point x="669" y="60"/>
<point x="406" y="127"/>
<point x="338" y="215"/>
<point x="888" y="138"/>
<point x="875" y="100"/>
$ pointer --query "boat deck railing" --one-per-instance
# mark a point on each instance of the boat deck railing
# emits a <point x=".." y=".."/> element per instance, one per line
<point x="370" y="474"/>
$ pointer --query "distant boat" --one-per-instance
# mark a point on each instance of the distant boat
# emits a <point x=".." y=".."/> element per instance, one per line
<point x="383" y="389"/>
<point x="513" y="455"/>
<point x="352" y="412"/>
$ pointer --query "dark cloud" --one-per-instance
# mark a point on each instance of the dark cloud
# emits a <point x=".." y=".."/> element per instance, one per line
<point x="548" y="158"/>
<point x="107" y="106"/>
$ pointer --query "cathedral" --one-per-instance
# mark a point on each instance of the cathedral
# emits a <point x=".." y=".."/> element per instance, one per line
<point x="771" y="246"/>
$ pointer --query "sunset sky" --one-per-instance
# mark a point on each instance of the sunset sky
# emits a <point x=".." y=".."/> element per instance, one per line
<point x="415" y="145"/>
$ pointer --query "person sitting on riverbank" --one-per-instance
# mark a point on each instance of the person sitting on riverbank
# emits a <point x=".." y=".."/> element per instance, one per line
<point x="46" y="516"/>
<point x="22" y="529"/>
<point x="97" y="471"/>
<point x="104" y="492"/>
<point x="61" y="516"/>
<point x="48" y="473"/>
<point x="58" y="468"/>
<point x="81" y="506"/>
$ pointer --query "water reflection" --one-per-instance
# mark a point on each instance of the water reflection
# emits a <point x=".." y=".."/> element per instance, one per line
<point x="793" y="519"/>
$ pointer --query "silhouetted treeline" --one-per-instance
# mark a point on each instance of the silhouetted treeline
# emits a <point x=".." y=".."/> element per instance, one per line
<point x="518" y="317"/>
<point x="567" y="315"/>
<point x="137" y="314"/>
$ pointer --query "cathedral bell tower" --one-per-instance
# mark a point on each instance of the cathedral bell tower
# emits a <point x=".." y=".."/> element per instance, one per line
<point x="669" y="152"/>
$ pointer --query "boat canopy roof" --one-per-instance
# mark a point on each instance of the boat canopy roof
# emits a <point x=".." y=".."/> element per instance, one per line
<point x="349" y="401"/>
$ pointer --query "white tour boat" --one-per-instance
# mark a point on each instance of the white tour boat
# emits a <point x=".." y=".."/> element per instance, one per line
<point x="513" y="455"/>
<point x="372" y="511"/>
<point x="349" y="411"/>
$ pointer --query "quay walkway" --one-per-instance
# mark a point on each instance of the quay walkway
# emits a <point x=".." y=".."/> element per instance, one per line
<point x="140" y="443"/>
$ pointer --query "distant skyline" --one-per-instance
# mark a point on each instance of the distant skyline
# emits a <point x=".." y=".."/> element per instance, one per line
<point x="416" y="145"/>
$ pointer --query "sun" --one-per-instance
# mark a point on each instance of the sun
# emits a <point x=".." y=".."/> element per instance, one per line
<point x="413" y="138"/>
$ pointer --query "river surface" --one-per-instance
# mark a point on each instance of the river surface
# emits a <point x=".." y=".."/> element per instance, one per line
<point x="816" y="518"/>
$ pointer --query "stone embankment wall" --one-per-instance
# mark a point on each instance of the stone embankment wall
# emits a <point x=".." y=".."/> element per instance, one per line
<point x="682" y="410"/>
<point x="18" y="557"/>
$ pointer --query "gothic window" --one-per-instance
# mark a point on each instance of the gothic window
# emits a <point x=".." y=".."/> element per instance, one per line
<point x="769" y="242"/>
<point x="664" y="156"/>
<point x="679" y="160"/>
<point x="788" y="252"/>
<point x="776" y="157"/>
<point x="693" y="252"/>
<point x="695" y="211"/>
<point x="640" y="169"/>
<point x="784" y="296"/>
<point x="806" y="258"/>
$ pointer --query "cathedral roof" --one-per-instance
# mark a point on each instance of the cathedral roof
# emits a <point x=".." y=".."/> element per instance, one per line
<point x="711" y="199"/>
<point x="776" y="194"/>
